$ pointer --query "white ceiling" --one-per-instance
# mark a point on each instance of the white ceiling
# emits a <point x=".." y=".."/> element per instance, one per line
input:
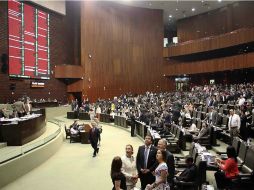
<point x="178" y="9"/>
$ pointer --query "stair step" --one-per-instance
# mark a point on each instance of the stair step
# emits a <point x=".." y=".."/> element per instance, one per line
<point x="2" y="145"/>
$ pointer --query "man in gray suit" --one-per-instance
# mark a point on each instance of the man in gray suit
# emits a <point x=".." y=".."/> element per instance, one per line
<point x="211" y="116"/>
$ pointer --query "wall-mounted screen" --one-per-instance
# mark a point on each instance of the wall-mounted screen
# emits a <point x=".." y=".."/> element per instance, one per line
<point x="29" y="55"/>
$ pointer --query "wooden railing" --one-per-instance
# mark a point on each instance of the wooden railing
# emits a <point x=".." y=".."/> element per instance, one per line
<point x="237" y="37"/>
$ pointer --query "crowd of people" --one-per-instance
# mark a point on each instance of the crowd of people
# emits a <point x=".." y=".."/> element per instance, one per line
<point x="154" y="166"/>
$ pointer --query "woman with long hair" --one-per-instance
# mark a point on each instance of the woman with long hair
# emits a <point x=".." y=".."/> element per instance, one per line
<point x="161" y="173"/>
<point x="228" y="169"/>
<point x="118" y="178"/>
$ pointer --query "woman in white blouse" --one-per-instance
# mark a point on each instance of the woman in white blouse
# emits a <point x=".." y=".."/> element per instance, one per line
<point x="129" y="168"/>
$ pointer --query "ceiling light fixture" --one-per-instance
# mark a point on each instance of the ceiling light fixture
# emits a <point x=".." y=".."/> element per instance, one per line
<point x="176" y="9"/>
<point x="170" y="16"/>
<point x="193" y="9"/>
<point x="219" y="1"/>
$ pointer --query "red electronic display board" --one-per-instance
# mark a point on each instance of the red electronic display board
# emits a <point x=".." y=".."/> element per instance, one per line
<point x="29" y="55"/>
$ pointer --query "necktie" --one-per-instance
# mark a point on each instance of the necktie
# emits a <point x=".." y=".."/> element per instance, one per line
<point x="230" y="122"/>
<point x="145" y="157"/>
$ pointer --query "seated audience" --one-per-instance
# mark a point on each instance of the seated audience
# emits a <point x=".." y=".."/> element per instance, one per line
<point x="118" y="178"/>
<point x="228" y="169"/>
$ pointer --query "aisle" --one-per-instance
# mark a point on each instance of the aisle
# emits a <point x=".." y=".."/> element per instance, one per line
<point x="73" y="166"/>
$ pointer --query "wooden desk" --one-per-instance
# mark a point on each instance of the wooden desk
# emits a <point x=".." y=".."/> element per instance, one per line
<point x="22" y="132"/>
<point x="84" y="116"/>
<point x="72" y="115"/>
<point x="44" y="104"/>
<point x="84" y="136"/>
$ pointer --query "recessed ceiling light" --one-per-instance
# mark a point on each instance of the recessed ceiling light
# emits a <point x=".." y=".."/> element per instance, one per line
<point x="170" y="16"/>
<point x="150" y="4"/>
<point x="219" y="1"/>
<point x="176" y="9"/>
<point x="202" y="1"/>
<point x="193" y="9"/>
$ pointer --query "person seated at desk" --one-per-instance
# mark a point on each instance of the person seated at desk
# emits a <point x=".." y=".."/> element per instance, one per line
<point x="189" y="174"/>
<point x="228" y="169"/>
<point x="74" y="128"/>
<point x="193" y="128"/>
<point x="204" y="132"/>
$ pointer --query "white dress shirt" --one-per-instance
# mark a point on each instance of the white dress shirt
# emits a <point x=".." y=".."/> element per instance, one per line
<point x="74" y="131"/>
<point x="241" y="101"/>
<point x="129" y="168"/>
<point x="234" y="121"/>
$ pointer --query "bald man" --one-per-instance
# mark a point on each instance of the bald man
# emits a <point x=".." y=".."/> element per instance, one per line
<point x="170" y="161"/>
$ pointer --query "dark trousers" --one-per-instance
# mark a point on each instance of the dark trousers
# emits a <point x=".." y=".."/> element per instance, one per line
<point x="132" y="130"/>
<point x="94" y="145"/>
<point x="146" y="179"/>
<point x="221" y="180"/>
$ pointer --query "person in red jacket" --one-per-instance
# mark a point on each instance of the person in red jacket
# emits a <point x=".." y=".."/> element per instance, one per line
<point x="228" y="169"/>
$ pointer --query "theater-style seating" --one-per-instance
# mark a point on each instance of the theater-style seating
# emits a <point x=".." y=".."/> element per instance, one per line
<point x="245" y="180"/>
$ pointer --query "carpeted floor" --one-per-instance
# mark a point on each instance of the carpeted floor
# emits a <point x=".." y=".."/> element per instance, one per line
<point x="73" y="166"/>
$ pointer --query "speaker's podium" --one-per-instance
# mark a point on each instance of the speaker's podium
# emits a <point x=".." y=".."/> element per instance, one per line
<point x="85" y="134"/>
<point x="84" y="116"/>
<point x="72" y="115"/>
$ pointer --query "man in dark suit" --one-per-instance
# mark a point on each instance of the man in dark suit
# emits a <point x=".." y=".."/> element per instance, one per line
<point x="132" y="123"/>
<point x="94" y="135"/>
<point x="146" y="161"/>
<point x="170" y="161"/>
<point x="189" y="174"/>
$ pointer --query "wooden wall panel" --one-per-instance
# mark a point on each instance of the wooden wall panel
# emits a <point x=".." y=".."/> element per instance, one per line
<point x="75" y="87"/>
<point x="126" y="45"/>
<point x="68" y="71"/>
<point x="175" y="68"/>
<point x="226" y="19"/>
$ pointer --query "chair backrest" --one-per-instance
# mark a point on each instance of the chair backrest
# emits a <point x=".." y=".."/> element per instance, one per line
<point x="248" y="166"/>
<point x="199" y="115"/>
<point x="192" y="146"/>
<point x="201" y="171"/>
<point x="172" y="129"/>
<point x="178" y="130"/>
<point x="194" y="154"/>
<point x="225" y="121"/>
<point x="199" y="122"/>
<point x="194" y="114"/>
<point x="225" y="106"/>
<point x="221" y="110"/>
<point x="204" y="109"/>
<point x="236" y="144"/>
<point x="242" y="152"/>
<point x="219" y="119"/>
<point x="225" y="111"/>
<point x="175" y="129"/>
<point x="194" y="120"/>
